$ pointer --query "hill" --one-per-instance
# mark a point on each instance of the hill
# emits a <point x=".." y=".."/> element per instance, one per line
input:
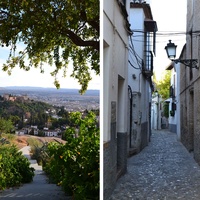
<point x="48" y="90"/>
<point x="71" y="99"/>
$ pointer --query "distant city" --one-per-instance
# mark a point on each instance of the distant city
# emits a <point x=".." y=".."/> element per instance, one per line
<point x="71" y="99"/>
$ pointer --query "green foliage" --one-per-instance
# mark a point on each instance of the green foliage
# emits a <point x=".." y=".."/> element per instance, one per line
<point x="14" y="167"/>
<point x="15" y="112"/>
<point x="75" y="165"/>
<point x="34" y="142"/>
<point x="6" y="126"/>
<point x="172" y="113"/>
<point x="4" y="141"/>
<point x="52" y="32"/>
<point x="163" y="85"/>
<point x="166" y="109"/>
<point x="9" y="137"/>
<point x="36" y="149"/>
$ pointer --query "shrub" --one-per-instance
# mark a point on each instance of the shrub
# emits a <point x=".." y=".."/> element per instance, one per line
<point x="14" y="167"/>
<point x="75" y="165"/>
<point x="9" y="137"/>
<point x="34" y="142"/>
<point x="36" y="149"/>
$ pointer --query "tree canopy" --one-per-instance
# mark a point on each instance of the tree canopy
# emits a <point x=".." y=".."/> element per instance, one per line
<point x="6" y="126"/>
<point x="52" y="32"/>
<point x="163" y="85"/>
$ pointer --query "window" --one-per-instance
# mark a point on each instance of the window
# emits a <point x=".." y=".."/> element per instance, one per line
<point x="150" y="43"/>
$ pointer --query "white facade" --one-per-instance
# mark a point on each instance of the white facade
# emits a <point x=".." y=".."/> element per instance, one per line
<point x="115" y="61"/>
<point x="156" y="112"/>
<point x="140" y="70"/>
<point x="20" y="132"/>
<point x="51" y="133"/>
<point x="115" y="90"/>
<point x="174" y="100"/>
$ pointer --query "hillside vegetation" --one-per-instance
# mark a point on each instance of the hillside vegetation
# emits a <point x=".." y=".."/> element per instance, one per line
<point x="17" y="111"/>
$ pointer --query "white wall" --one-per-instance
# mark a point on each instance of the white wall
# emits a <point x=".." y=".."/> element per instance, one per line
<point x="136" y="80"/>
<point x="173" y="82"/>
<point x="115" y="63"/>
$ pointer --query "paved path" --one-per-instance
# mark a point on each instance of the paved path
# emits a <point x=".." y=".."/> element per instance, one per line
<point x="164" y="170"/>
<point x="38" y="189"/>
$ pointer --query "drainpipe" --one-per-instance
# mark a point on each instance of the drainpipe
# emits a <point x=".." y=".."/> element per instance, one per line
<point x="131" y="103"/>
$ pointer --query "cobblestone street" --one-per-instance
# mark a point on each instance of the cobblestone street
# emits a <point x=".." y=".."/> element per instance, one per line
<point x="164" y="170"/>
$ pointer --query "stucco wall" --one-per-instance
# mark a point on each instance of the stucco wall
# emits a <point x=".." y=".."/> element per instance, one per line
<point x="138" y="83"/>
<point x="115" y="65"/>
<point x="115" y="94"/>
<point x="110" y="164"/>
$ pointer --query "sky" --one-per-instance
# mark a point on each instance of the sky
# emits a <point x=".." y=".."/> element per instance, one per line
<point x="33" y="77"/>
<point x="170" y="16"/>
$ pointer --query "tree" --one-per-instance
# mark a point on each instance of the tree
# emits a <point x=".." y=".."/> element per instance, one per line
<point x="163" y="85"/>
<point x="6" y="126"/>
<point x="53" y="32"/>
<point x="75" y="164"/>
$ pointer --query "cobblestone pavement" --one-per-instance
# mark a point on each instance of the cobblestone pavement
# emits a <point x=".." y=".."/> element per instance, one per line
<point x="164" y="170"/>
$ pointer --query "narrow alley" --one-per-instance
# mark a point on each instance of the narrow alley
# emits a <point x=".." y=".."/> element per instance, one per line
<point x="164" y="170"/>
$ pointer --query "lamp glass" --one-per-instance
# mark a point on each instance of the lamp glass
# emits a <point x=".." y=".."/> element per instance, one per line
<point x="171" y="50"/>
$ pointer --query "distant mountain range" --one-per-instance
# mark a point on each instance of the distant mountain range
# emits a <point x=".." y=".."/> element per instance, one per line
<point x="42" y="89"/>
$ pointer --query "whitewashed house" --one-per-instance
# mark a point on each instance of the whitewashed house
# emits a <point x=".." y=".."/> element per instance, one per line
<point x="142" y="49"/>
<point x="51" y="133"/>
<point x="174" y="100"/>
<point x="116" y="30"/>
<point x="20" y="132"/>
<point x="156" y="112"/>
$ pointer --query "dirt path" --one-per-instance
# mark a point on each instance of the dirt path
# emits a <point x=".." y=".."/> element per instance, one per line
<point x="38" y="189"/>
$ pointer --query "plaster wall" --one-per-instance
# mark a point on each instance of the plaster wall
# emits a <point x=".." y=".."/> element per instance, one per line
<point x="115" y="62"/>
<point x="138" y="83"/>
<point x="115" y="94"/>
<point x="173" y="119"/>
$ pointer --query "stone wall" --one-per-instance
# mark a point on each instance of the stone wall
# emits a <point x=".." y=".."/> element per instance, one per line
<point x="110" y="163"/>
<point x="197" y="122"/>
<point x="186" y="137"/>
<point x="121" y="154"/>
<point x="144" y="135"/>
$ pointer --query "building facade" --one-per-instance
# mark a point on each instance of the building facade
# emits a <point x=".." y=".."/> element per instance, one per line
<point x="173" y="93"/>
<point x="126" y="89"/>
<point x="116" y="30"/>
<point x="142" y="49"/>
<point x="156" y="112"/>
<point x="190" y="84"/>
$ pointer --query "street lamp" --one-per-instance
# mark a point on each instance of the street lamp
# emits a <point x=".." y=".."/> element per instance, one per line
<point x="171" y="53"/>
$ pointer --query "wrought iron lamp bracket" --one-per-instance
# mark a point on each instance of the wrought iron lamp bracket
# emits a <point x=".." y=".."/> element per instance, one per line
<point x="192" y="63"/>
